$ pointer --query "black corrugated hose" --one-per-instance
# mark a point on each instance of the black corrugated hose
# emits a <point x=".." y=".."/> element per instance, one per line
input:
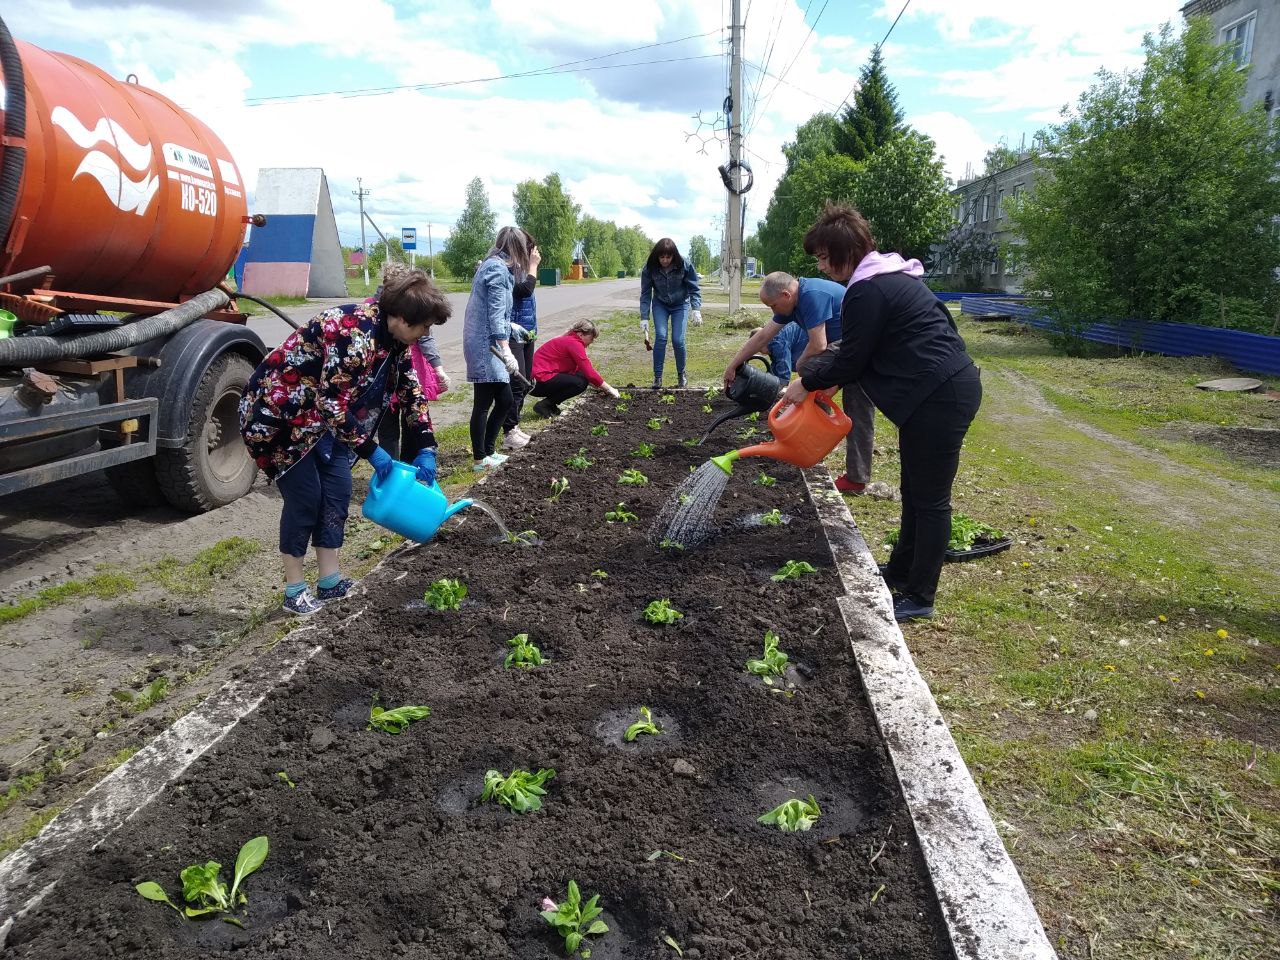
<point x="15" y="125"/>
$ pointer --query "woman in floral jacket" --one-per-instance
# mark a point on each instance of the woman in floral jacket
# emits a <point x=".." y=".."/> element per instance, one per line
<point x="314" y="404"/>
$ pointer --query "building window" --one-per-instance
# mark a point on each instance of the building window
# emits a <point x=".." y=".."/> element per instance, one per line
<point x="1017" y="191"/>
<point x="986" y="207"/>
<point x="1000" y="205"/>
<point x="1239" y="37"/>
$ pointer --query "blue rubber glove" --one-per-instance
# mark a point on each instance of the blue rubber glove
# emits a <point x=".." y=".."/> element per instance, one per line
<point x="425" y="461"/>
<point x="381" y="462"/>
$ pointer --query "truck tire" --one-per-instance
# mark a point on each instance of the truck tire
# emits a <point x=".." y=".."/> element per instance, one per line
<point x="212" y="467"/>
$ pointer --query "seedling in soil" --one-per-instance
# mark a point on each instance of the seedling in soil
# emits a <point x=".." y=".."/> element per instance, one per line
<point x="445" y="594"/>
<point x="772" y="519"/>
<point x="620" y="408"/>
<point x="772" y="664"/>
<point x="575" y="920"/>
<point x="663" y="853"/>
<point x="766" y="481"/>
<point x="203" y="889"/>
<point x="666" y="544"/>
<point x="599" y="430"/>
<point x="670" y="942"/>
<point x="746" y="433"/>
<point x="754" y="418"/>
<point x="661" y="611"/>
<point x="521" y="538"/>
<point x="522" y="791"/>
<point x="793" y="570"/>
<point x="706" y="408"/>
<point x="579" y="461"/>
<point x="691" y="442"/>
<point x="645" y="450"/>
<point x="558" y="486"/>
<point x="793" y="815"/>
<point x="600" y="573"/>
<point x="655" y="423"/>
<point x="667" y="398"/>
<point x="965" y="532"/>
<point x="620" y="514"/>
<point x="284" y="775"/>
<point x="644" y="725"/>
<point x="524" y="654"/>
<point x="395" y="721"/>
<point x="623" y="395"/>
<point x="712" y="393"/>
<point x="632" y="478"/>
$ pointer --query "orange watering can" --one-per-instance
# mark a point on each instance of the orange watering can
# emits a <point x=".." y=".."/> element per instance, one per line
<point x="803" y="434"/>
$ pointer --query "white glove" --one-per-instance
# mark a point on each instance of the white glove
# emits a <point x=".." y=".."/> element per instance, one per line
<point x="610" y="391"/>
<point x="442" y="379"/>
<point x="508" y="358"/>
<point x="519" y="333"/>
<point x="644" y="327"/>
<point x="696" y="317"/>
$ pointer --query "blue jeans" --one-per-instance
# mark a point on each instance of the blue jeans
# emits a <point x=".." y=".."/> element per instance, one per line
<point x="678" y="318"/>
<point x="317" y="493"/>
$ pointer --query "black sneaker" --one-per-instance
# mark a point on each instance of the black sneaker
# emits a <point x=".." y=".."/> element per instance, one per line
<point x="683" y="382"/>
<point x="302" y="604"/>
<point x="545" y="408"/>
<point x="904" y="608"/>
<point x="336" y="592"/>
<point x="657" y="384"/>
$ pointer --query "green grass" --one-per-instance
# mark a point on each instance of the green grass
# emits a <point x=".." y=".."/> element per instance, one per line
<point x="104" y="585"/>
<point x="35" y="823"/>
<point x="198" y="574"/>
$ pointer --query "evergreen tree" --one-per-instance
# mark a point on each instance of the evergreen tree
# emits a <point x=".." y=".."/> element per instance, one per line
<point x="873" y="119"/>
<point x="473" y="234"/>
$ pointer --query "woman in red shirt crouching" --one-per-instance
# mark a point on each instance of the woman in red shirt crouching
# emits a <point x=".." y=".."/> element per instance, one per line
<point x="561" y="369"/>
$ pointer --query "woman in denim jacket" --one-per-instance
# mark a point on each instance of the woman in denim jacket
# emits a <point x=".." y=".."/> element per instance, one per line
<point x="668" y="285"/>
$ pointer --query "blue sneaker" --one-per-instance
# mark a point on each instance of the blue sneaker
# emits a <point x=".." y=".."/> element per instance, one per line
<point x="904" y="608"/>
<point x="336" y="592"/>
<point x="500" y="457"/>
<point x="302" y="604"/>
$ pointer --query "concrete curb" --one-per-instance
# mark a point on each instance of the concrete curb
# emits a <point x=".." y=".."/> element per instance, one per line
<point x="988" y="912"/>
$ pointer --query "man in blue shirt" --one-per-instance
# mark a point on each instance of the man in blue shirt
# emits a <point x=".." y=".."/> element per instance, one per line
<point x="813" y="304"/>
<point x="786" y="349"/>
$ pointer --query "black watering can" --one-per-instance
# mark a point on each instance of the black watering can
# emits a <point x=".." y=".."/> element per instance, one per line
<point x="754" y="391"/>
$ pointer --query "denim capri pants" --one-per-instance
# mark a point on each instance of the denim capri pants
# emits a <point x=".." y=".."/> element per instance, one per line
<point x="317" y="495"/>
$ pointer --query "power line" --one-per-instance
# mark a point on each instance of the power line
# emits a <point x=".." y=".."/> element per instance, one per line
<point x="782" y="78"/>
<point x="571" y="66"/>
<point x="880" y="44"/>
<point x="788" y="83"/>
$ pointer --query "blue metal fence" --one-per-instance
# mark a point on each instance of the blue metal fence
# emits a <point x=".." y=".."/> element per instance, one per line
<point x="1253" y="352"/>
<point x="956" y="295"/>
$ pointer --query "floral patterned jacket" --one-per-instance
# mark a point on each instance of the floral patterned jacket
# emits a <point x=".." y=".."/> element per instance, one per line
<point x="334" y="375"/>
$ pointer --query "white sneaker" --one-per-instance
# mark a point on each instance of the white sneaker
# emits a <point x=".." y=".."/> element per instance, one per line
<point x="526" y="437"/>
<point x="514" y="440"/>
<point x="499" y="458"/>
<point x="487" y="464"/>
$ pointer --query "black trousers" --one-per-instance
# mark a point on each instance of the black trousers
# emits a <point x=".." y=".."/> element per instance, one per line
<point x="929" y="449"/>
<point x="489" y="406"/>
<point x="561" y="387"/>
<point x="523" y="351"/>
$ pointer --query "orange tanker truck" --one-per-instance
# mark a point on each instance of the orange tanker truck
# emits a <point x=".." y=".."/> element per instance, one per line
<point x="120" y="215"/>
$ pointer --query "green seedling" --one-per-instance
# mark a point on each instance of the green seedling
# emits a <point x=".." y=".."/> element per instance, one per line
<point x="644" y="725"/>
<point x="600" y="573"/>
<point x="599" y="430"/>
<point x="655" y="423"/>
<point x="706" y="408"/>
<point x="746" y="433"/>
<point x="558" y="486"/>
<point x="670" y="942"/>
<point x="793" y="815"/>
<point x="579" y="460"/>
<point x="712" y="393"/>
<point x="620" y="514"/>
<point x="667" y="398"/>
<point x="645" y="450"/>
<point x="445" y="594"/>
<point x="524" y="655"/>
<point x="522" y="791"/>
<point x="772" y="664"/>
<point x="620" y="408"/>
<point x="686" y="498"/>
<point x="772" y="519"/>
<point x="661" y="611"/>
<point x="632" y="478"/>
<point x="203" y="888"/>
<point x="754" y="418"/>
<point x="521" y="538"/>
<point x="395" y="721"/>
<point x="623" y="395"/>
<point x="793" y="570"/>
<point x="765" y="480"/>
<point x="667" y="544"/>
<point x="657" y="854"/>
<point x="284" y="775"/>
<point x="156" y="691"/>
<point x="575" y="920"/>
<point x="691" y="442"/>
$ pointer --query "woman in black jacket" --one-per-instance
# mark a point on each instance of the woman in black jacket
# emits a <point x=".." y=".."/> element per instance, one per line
<point x="899" y="343"/>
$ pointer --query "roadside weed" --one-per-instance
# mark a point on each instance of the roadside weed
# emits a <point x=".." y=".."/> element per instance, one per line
<point x="522" y="791"/>
<point x="793" y="815"/>
<point x="644" y="725"/>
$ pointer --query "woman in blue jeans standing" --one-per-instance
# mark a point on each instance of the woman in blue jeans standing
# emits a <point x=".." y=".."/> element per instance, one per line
<point x="668" y="285"/>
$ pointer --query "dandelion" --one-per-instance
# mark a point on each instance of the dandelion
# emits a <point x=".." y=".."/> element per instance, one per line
<point x="1222" y="634"/>
<point x="1162" y="618"/>
<point x="1209" y="651"/>
<point x="1200" y="694"/>
<point x="1111" y="667"/>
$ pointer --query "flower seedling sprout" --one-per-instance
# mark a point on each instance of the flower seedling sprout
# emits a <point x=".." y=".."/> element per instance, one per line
<point x="631" y="477"/>
<point x="772" y="519"/>
<point x="524" y="655"/>
<point x="793" y="570"/>
<point x="558" y="486"/>
<point x="284" y="775"/>
<point x="579" y="460"/>
<point x="522" y="791"/>
<point x="706" y="408"/>
<point x="712" y="393"/>
<point x="667" y="398"/>
<point x="772" y="664"/>
<point x="620" y="408"/>
<point x="397" y="720"/>
<point x="644" y="725"/>
<point x="661" y="611"/>
<point x="792" y="815"/>
<point x="668" y="544"/>
<point x="521" y="538"/>
<point x="203" y="888"/>
<point x="600" y="573"/>
<point x="655" y="423"/>
<point x="645" y="450"/>
<point x="445" y="594"/>
<point x="620" y="514"/>
<point x="623" y="395"/>
<point x="600" y="430"/>
<point x="754" y="417"/>
<point x="766" y="481"/>
<point x="575" y="920"/>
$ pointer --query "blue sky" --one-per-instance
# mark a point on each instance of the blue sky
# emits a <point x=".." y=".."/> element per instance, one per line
<point x="967" y="72"/>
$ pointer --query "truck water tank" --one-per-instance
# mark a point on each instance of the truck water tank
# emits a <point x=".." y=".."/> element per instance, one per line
<point x="124" y="193"/>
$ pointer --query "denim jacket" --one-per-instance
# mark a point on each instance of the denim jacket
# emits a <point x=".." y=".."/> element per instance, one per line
<point x="671" y="287"/>
<point x="487" y="321"/>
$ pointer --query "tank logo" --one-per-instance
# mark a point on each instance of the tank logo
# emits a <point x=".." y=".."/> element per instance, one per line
<point x="127" y="194"/>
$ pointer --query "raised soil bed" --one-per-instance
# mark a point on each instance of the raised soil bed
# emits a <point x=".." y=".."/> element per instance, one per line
<point x="381" y="846"/>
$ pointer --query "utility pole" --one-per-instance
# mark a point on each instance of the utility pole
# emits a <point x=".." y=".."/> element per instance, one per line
<point x="734" y="226"/>
<point x="431" y="254"/>
<point x="360" y="193"/>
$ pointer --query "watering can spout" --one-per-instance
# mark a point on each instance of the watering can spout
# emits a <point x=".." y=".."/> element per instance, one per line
<point x="802" y="435"/>
<point x="725" y="461"/>
<point x="456" y="507"/>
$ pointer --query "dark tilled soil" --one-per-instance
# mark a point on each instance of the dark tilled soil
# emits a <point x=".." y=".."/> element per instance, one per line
<point x="382" y="847"/>
<point x="1256" y="446"/>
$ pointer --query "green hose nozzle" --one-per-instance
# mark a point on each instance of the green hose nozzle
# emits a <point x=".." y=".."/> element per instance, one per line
<point x="725" y="461"/>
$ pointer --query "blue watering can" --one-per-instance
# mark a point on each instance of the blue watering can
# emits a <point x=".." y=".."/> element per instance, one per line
<point x="404" y="506"/>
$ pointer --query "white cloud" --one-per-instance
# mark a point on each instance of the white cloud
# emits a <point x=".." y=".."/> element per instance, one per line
<point x="958" y="140"/>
